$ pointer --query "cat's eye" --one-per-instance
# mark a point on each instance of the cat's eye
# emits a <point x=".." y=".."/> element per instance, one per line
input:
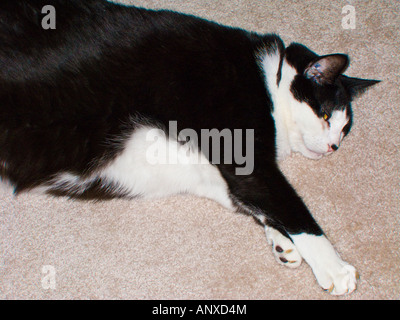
<point x="326" y="116"/>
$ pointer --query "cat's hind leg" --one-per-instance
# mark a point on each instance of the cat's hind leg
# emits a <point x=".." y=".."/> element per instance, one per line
<point x="283" y="248"/>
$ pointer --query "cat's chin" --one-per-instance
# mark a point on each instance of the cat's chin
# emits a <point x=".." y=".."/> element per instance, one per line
<point x="314" y="155"/>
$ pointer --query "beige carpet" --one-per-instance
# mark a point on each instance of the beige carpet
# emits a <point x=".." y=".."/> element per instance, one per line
<point x="189" y="248"/>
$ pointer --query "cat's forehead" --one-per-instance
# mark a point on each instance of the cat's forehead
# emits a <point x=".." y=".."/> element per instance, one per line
<point x="330" y="98"/>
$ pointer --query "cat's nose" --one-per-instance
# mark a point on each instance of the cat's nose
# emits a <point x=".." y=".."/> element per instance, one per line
<point x="332" y="148"/>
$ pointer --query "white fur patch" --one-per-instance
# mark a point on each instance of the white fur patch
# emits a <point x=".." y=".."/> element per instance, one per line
<point x="151" y="166"/>
<point x="279" y="95"/>
<point x="338" y="121"/>
<point x="145" y="168"/>
<point x="331" y="272"/>
<point x="73" y="183"/>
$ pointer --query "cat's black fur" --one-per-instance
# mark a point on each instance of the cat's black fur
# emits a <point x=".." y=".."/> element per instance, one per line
<point x="68" y="96"/>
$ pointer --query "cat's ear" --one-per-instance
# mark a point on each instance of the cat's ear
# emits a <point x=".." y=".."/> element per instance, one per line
<point x="326" y="69"/>
<point x="355" y="86"/>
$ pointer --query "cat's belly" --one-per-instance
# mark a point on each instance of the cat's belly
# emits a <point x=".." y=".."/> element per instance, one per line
<point x="152" y="165"/>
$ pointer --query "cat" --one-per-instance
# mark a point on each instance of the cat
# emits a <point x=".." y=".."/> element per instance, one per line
<point x="90" y="108"/>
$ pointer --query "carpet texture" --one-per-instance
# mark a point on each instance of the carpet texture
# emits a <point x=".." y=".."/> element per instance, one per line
<point x="185" y="247"/>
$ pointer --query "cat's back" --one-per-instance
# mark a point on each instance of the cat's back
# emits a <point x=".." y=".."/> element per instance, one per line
<point x="98" y="39"/>
<point x="100" y="50"/>
<point x="65" y="93"/>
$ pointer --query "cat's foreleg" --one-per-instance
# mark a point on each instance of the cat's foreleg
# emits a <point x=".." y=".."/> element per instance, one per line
<point x="332" y="273"/>
<point x="291" y="229"/>
<point x="289" y="212"/>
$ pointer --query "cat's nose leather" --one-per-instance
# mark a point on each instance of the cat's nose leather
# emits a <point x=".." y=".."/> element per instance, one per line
<point x="332" y="148"/>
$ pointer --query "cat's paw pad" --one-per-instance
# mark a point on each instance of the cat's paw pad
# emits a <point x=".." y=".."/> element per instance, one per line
<point x="284" y="250"/>
<point x="339" y="280"/>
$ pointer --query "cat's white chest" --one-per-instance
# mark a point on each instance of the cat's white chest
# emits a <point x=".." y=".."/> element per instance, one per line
<point x="280" y="95"/>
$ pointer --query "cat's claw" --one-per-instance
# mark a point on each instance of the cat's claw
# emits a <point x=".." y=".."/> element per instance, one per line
<point x="342" y="281"/>
<point x="284" y="250"/>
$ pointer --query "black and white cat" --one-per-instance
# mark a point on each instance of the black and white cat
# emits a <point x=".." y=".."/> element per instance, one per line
<point x="91" y="108"/>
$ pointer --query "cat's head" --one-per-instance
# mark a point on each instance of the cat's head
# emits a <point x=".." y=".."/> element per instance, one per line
<point x="322" y="96"/>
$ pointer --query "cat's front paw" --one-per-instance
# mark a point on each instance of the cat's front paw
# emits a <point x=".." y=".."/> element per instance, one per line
<point x="338" y="279"/>
<point x="284" y="250"/>
<point x="332" y="273"/>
